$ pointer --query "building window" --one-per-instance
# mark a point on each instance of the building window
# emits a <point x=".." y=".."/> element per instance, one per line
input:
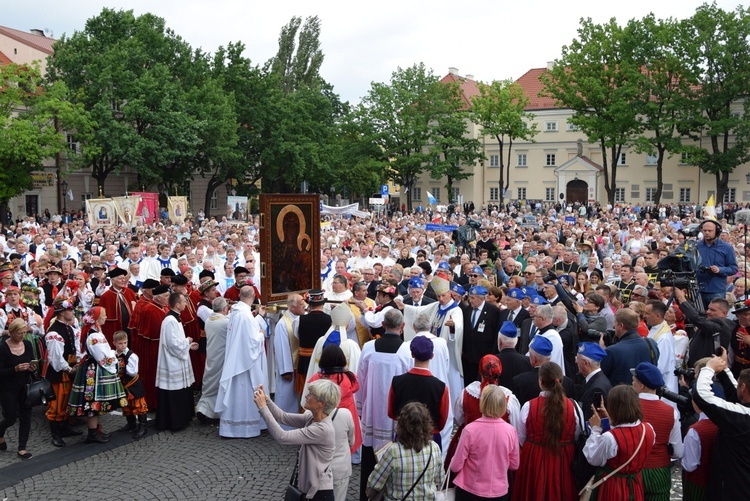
<point x="550" y="126"/>
<point x="214" y="200"/>
<point x="650" y="194"/>
<point x="494" y="194"/>
<point x="72" y="144"/>
<point x="115" y="105"/>
<point x="651" y="159"/>
<point x="730" y="196"/>
<point x="522" y="193"/>
<point x="455" y="195"/>
<point x="494" y="160"/>
<point x="522" y="159"/>
<point x="436" y="194"/>
<point x="684" y="195"/>
<point x="417" y="193"/>
<point x="551" y="159"/>
<point x="84" y="197"/>
<point x="619" y="194"/>
<point x="572" y="127"/>
<point x="686" y="158"/>
<point x="549" y="195"/>
<point x="622" y="160"/>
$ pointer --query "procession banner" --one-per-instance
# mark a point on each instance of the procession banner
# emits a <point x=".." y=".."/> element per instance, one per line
<point x="127" y="208"/>
<point x="177" y="207"/>
<point x="351" y="209"/>
<point x="148" y="208"/>
<point x="101" y="212"/>
<point x="237" y="208"/>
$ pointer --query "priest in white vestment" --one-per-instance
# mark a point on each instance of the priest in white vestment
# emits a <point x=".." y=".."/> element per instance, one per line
<point x="286" y="353"/>
<point x="216" y="341"/>
<point x="245" y="368"/>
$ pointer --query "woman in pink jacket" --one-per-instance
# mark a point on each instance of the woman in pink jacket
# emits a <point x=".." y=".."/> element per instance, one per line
<point x="488" y="448"/>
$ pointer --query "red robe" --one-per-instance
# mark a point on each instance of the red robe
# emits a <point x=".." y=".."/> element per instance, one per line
<point x="189" y="318"/>
<point x="110" y="302"/>
<point x="147" y="330"/>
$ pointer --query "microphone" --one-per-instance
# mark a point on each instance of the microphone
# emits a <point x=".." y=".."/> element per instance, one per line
<point x="742" y="217"/>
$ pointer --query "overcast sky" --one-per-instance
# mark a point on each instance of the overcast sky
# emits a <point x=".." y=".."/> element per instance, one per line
<point x="367" y="41"/>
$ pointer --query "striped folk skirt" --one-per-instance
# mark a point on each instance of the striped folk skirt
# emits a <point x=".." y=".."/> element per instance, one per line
<point x="657" y="483"/>
<point x="95" y="391"/>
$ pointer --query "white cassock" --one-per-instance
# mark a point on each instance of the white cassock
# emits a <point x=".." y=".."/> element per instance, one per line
<point x="438" y="316"/>
<point x="557" y="348"/>
<point x="664" y="338"/>
<point x="351" y="352"/>
<point x="245" y="367"/>
<point x="375" y="373"/>
<point x="285" y="396"/>
<point x="440" y="368"/>
<point x="173" y="368"/>
<point x="216" y="342"/>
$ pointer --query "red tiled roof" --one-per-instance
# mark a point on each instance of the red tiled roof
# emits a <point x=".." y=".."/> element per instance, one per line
<point x="4" y="60"/>
<point x="469" y="88"/>
<point x="38" y="42"/>
<point x="531" y="84"/>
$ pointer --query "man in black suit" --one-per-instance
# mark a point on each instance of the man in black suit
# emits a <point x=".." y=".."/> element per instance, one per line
<point x="515" y="312"/>
<point x="481" y="325"/>
<point x="594" y="384"/>
<point x="568" y="330"/>
<point x="513" y="362"/>
<point x="368" y="274"/>
<point x="416" y="293"/>
<point x="528" y="329"/>
<point x="526" y="385"/>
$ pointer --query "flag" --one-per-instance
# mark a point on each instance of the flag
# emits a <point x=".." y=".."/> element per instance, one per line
<point x="431" y="199"/>
<point x="70" y="194"/>
<point x="709" y="211"/>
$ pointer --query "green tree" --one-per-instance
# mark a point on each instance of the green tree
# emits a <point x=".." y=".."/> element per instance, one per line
<point x="663" y="87"/>
<point x="128" y="72"/>
<point x="595" y="78"/>
<point x="715" y="47"/>
<point x="298" y="60"/>
<point x="32" y="116"/>
<point x="398" y="117"/>
<point x="452" y="148"/>
<point x="500" y="110"/>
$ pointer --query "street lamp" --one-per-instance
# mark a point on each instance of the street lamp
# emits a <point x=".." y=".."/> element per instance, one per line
<point x="64" y="186"/>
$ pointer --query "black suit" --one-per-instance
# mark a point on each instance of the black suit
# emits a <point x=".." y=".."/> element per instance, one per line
<point x="518" y="319"/>
<point x="462" y="280"/>
<point x="569" y="336"/>
<point x="589" y="393"/>
<point x="425" y="300"/>
<point x="522" y="346"/>
<point x="372" y="289"/>
<point x="513" y="364"/>
<point x="479" y="340"/>
<point x="526" y="386"/>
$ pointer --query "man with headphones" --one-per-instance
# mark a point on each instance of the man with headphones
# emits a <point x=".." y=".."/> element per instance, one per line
<point x="718" y="262"/>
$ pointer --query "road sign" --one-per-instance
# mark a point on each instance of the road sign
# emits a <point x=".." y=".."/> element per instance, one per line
<point x="377" y="201"/>
<point x="384" y="190"/>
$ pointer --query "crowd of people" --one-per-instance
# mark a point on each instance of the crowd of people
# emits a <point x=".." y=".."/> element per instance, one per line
<point x="518" y="357"/>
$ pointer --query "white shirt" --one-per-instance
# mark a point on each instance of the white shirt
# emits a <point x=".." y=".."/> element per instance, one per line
<point x="521" y="427"/>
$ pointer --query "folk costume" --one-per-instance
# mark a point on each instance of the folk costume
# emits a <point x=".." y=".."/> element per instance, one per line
<point x="97" y="388"/>
<point x="245" y="367"/>
<point x="174" y="376"/>
<point x="119" y="306"/>
<point x="696" y="461"/>
<point x="665" y="420"/>
<point x="136" y="408"/>
<point x="312" y="327"/>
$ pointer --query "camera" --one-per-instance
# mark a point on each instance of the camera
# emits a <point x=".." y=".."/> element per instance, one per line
<point x="682" y="402"/>
<point x="688" y="374"/>
<point x="679" y="279"/>
<point x="704" y="269"/>
<point x="691" y="230"/>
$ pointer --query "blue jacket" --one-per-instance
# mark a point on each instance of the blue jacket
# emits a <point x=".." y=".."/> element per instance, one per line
<point x="722" y="255"/>
<point x="626" y="354"/>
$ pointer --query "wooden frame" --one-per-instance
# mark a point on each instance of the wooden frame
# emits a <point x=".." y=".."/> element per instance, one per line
<point x="289" y="245"/>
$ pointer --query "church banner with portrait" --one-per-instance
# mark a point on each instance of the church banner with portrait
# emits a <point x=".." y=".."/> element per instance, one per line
<point x="289" y="245"/>
<point x="177" y="207"/>
<point x="101" y="212"/>
<point x="148" y="208"/>
<point x="126" y="209"/>
<point x="237" y="208"/>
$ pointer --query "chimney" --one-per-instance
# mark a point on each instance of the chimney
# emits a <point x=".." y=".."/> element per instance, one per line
<point x="550" y="65"/>
<point x="37" y="32"/>
<point x="469" y="77"/>
<point x="453" y="70"/>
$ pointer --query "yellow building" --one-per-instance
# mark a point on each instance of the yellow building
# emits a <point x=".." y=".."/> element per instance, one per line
<point x="561" y="161"/>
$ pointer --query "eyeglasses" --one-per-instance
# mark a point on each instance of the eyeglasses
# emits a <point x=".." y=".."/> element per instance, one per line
<point x="475" y="275"/>
<point x="527" y="273"/>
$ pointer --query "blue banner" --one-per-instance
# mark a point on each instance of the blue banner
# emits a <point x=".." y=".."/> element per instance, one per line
<point x="440" y="227"/>
<point x="570" y="219"/>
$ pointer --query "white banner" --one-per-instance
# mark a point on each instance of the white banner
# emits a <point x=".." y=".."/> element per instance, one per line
<point x="351" y="209"/>
<point x="126" y="208"/>
<point x="101" y="212"/>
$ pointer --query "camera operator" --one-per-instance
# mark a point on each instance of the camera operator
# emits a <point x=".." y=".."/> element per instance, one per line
<point x="717" y="262"/>
<point x="730" y="468"/>
<point x="702" y="340"/>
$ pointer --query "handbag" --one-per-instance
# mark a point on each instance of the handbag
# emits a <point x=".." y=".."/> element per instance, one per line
<point x="590" y="486"/>
<point x="39" y="392"/>
<point x="292" y="493"/>
<point x="446" y="493"/>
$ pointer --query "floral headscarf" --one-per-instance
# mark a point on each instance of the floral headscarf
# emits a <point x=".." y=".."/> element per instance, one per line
<point x="490" y="369"/>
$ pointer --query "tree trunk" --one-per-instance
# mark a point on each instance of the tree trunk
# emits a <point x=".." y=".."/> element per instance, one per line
<point x="722" y="185"/>
<point x="659" y="175"/>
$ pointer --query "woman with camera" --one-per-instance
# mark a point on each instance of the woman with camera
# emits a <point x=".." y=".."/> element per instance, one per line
<point x="16" y="366"/>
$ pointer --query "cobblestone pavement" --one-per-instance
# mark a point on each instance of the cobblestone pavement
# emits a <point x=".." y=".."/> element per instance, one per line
<point x="194" y="464"/>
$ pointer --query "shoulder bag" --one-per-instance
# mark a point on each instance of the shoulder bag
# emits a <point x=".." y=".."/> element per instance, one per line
<point x="39" y="392"/>
<point x="292" y="492"/>
<point x="586" y="492"/>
